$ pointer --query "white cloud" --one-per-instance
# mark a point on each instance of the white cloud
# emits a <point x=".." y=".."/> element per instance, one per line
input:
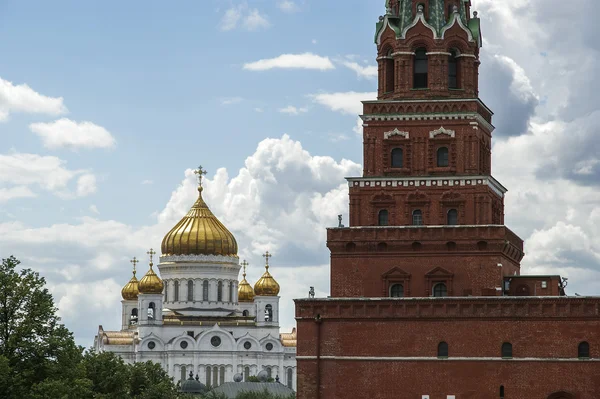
<point x="369" y="71"/>
<point x="94" y="209"/>
<point x="7" y="194"/>
<point x="147" y="182"/>
<point x="259" y="110"/>
<point x="291" y="110"/>
<point x="241" y="16"/>
<point x="314" y="41"/>
<point x="288" y="6"/>
<point x="231" y="100"/>
<point x="298" y="61"/>
<point x="22" y="98"/>
<point x="345" y="102"/>
<point x="65" y="133"/>
<point x="86" y="185"/>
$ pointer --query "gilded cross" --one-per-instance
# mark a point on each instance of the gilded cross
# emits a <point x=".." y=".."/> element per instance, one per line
<point x="267" y="255"/>
<point x="151" y="253"/>
<point x="244" y="263"/>
<point x="200" y="172"/>
<point x="135" y="262"/>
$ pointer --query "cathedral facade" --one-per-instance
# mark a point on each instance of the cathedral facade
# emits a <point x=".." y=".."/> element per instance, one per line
<point x="197" y="317"/>
<point x="427" y="297"/>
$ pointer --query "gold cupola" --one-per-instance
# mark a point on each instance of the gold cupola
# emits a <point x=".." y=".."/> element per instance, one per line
<point x="266" y="285"/>
<point x="151" y="283"/>
<point x="131" y="290"/>
<point x="245" y="290"/>
<point x="199" y="232"/>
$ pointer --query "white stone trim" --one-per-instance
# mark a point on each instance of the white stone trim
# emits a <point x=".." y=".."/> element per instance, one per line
<point x="442" y="130"/>
<point x="438" y="53"/>
<point x="200" y="258"/>
<point x="445" y="359"/>
<point x="386" y="25"/>
<point x="429" y="117"/>
<point x="395" y="132"/>
<point x="467" y="55"/>
<point x="420" y="17"/>
<point x="403" y="53"/>
<point x="456" y="18"/>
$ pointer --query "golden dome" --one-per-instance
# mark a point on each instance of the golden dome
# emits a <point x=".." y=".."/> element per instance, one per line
<point x="199" y="233"/>
<point x="131" y="290"/>
<point x="245" y="291"/>
<point x="266" y="285"/>
<point x="151" y="283"/>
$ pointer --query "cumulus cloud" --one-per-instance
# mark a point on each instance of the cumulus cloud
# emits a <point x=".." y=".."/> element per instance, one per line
<point x="291" y="110"/>
<point x="287" y="6"/>
<point x="244" y="17"/>
<point x="7" y="194"/>
<point x="349" y="103"/>
<point x="22" y="98"/>
<point x="231" y="100"/>
<point x="65" y="133"/>
<point x="292" y="61"/>
<point x="369" y="71"/>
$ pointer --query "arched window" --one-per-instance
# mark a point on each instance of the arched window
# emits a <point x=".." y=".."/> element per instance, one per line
<point x="268" y="313"/>
<point x="442" y="157"/>
<point x="220" y="291"/>
<point x="190" y="296"/>
<point x="176" y="291"/>
<point x="383" y="217"/>
<point x="584" y="350"/>
<point x="134" y="316"/>
<point x="417" y="217"/>
<point x="443" y="349"/>
<point x="231" y="293"/>
<point x="246" y="373"/>
<point x="507" y="350"/>
<point x="390" y="73"/>
<point x="268" y="370"/>
<point x="440" y="290"/>
<point x="397" y="291"/>
<point x="183" y="373"/>
<point x="453" y="70"/>
<point x="452" y="217"/>
<point x="397" y="158"/>
<point x="151" y="311"/>
<point x="208" y="375"/>
<point x="215" y="376"/>
<point x="245" y="313"/>
<point x="205" y="290"/>
<point x="420" y="69"/>
<point x="166" y="290"/>
<point x="222" y="375"/>
<point x="290" y="377"/>
<point x="501" y="391"/>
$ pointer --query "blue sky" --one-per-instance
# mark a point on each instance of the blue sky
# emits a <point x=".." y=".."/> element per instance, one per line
<point x="105" y="107"/>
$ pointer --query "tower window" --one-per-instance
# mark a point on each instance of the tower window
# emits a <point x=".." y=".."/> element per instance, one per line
<point x="397" y="291"/>
<point x="190" y="293"/>
<point x="245" y="313"/>
<point x="220" y="291"/>
<point x="205" y="290"/>
<point x="390" y="73"/>
<point x="268" y="313"/>
<point x="417" y="217"/>
<point x="134" y="316"/>
<point x="383" y="217"/>
<point x="501" y="391"/>
<point x="440" y="290"/>
<point x="176" y="291"/>
<point x="420" y="69"/>
<point x="584" y="350"/>
<point x="453" y="70"/>
<point x="166" y="291"/>
<point x="442" y="157"/>
<point x="151" y="309"/>
<point x="290" y="377"/>
<point x="246" y="373"/>
<point x="507" y="351"/>
<point x="397" y="158"/>
<point x="452" y="217"/>
<point x="442" y="349"/>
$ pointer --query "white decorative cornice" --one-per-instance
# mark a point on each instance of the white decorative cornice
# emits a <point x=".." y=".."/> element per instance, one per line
<point x="467" y="56"/>
<point x="395" y="132"/>
<point x="199" y="258"/>
<point x="429" y="117"/>
<point x="441" y="130"/>
<point x="403" y="53"/>
<point x="420" y="17"/>
<point x="439" y="53"/>
<point x="456" y="19"/>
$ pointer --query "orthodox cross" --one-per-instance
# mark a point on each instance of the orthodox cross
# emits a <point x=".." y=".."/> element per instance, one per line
<point x="135" y="262"/>
<point x="267" y="255"/>
<point x="151" y="253"/>
<point x="244" y="263"/>
<point x="200" y="172"/>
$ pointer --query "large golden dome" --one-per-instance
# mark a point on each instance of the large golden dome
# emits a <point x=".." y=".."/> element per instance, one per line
<point x="199" y="233"/>
<point x="266" y="285"/>
<point x="245" y="291"/>
<point x="151" y="283"/>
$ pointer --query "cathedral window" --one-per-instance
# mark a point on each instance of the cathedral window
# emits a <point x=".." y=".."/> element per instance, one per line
<point x="453" y="70"/>
<point x="269" y="346"/>
<point x="183" y="373"/>
<point x="183" y="344"/>
<point x="440" y="290"/>
<point x="390" y="73"/>
<point x="397" y="291"/>
<point x="246" y="373"/>
<point x="507" y="351"/>
<point x="166" y="291"/>
<point x="221" y="375"/>
<point x="208" y="375"/>
<point x="443" y="349"/>
<point x="583" y="350"/>
<point x="397" y="158"/>
<point x="220" y="291"/>
<point x="290" y="377"/>
<point x="442" y="157"/>
<point x="151" y="311"/>
<point x="501" y="391"/>
<point x="231" y="292"/>
<point x="205" y="290"/>
<point x="247" y="345"/>
<point x="190" y="293"/>
<point x="215" y="376"/>
<point x="383" y="217"/>
<point x="176" y="291"/>
<point x="452" y="217"/>
<point x="268" y="370"/>
<point x="268" y="313"/>
<point x="417" y="217"/>
<point x="420" y="69"/>
<point x="151" y="345"/>
<point x="245" y="313"/>
<point x="134" y="316"/>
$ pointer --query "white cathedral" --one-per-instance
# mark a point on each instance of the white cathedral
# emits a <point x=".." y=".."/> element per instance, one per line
<point x="198" y="318"/>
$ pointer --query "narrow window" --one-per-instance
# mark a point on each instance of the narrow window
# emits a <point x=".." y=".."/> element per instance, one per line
<point x="222" y="375"/>
<point x="215" y="376"/>
<point x="134" y="316"/>
<point x="390" y="73"/>
<point x="443" y="349"/>
<point x="246" y="373"/>
<point x="268" y="313"/>
<point x="220" y="291"/>
<point x="501" y="391"/>
<point x="183" y="373"/>
<point x="383" y="217"/>
<point x="231" y="293"/>
<point x="208" y="375"/>
<point x="442" y="157"/>
<point x="151" y="311"/>
<point x="452" y="217"/>
<point x="420" y="69"/>
<point x="268" y="370"/>
<point x="176" y="291"/>
<point x="205" y="290"/>
<point x="453" y="70"/>
<point x="190" y="295"/>
<point x="290" y="376"/>
<point x="166" y="291"/>
<point x="397" y="158"/>
<point x="440" y="290"/>
<point x="245" y="313"/>
<point x="397" y="291"/>
<point x="417" y="217"/>
<point x="583" y="350"/>
<point x="507" y="350"/>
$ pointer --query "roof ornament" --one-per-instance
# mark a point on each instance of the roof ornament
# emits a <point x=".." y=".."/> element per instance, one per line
<point x="244" y="264"/>
<point x="388" y="7"/>
<point x="475" y="14"/>
<point x="151" y="253"/>
<point x="340" y="225"/>
<point x="267" y="255"/>
<point x="200" y="172"/>
<point x="455" y="9"/>
<point x="420" y="9"/>
<point x="135" y="262"/>
<point x="311" y="292"/>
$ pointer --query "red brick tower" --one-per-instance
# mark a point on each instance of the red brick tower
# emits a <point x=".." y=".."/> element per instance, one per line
<point x="427" y="300"/>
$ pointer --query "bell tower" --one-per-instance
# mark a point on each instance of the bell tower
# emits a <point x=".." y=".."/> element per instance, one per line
<point x="426" y="217"/>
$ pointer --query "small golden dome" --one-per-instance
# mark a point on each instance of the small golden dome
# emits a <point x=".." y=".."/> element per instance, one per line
<point x="199" y="233"/>
<point x="245" y="291"/>
<point x="266" y="285"/>
<point x="131" y="290"/>
<point x="151" y="283"/>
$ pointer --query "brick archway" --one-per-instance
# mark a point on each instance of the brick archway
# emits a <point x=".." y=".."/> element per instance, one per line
<point x="561" y="395"/>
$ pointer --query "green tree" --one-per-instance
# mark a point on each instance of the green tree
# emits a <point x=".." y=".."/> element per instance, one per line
<point x="150" y="381"/>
